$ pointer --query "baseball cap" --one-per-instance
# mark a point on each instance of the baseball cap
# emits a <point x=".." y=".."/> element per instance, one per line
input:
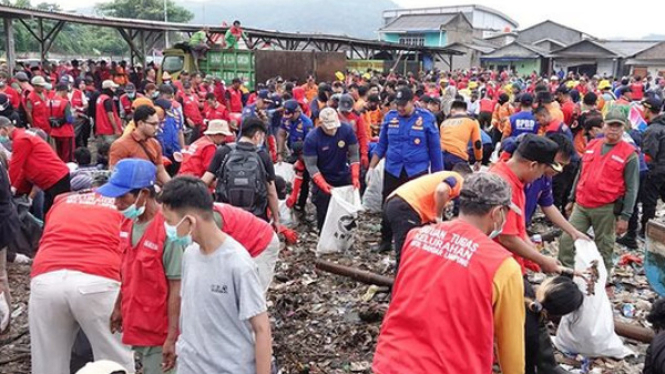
<point x="102" y="367"/>
<point x="61" y="87"/>
<point x="139" y="101"/>
<point x="615" y="115"/>
<point x="129" y="174"/>
<point x="488" y="189"/>
<point x="290" y="106"/>
<point x="563" y="89"/>
<point x="346" y="103"/>
<point x="218" y="126"/>
<point x="653" y="104"/>
<point x="404" y="95"/>
<point x="130" y="87"/>
<point x="526" y="99"/>
<point x="539" y="149"/>
<point x="329" y="119"/>
<point x="264" y="95"/>
<point x="21" y="76"/>
<point x="108" y="84"/>
<point x="38" y="81"/>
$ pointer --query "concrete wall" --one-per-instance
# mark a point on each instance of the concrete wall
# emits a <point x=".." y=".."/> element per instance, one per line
<point x="390" y="37"/>
<point x="458" y="30"/>
<point x="549" y="30"/>
<point x="522" y="67"/>
<point x="603" y="66"/>
<point x="432" y="39"/>
<point x="470" y="59"/>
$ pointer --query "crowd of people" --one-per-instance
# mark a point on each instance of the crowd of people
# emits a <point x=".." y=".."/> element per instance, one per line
<point x="161" y="236"/>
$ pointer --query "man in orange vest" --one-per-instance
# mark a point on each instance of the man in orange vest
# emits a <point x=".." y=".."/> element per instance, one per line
<point x="605" y="190"/>
<point x="148" y="305"/>
<point x="470" y="293"/>
<point x="422" y="201"/>
<point x="197" y="157"/>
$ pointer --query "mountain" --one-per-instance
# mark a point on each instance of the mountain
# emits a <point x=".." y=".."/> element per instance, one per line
<point x="350" y="17"/>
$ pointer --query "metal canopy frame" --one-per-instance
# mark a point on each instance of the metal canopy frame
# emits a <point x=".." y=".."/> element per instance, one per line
<point x="142" y="36"/>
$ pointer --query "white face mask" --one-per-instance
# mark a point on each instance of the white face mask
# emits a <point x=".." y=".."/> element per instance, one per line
<point x="496" y="232"/>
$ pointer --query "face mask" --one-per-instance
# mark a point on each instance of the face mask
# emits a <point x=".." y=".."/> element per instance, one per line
<point x="4" y="139"/>
<point x="133" y="212"/>
<point x="172" y="234"/>
<point x="48" y="86"/>
<point x="131" y="95"/>
<point x="155" y="95"/>
<point x="497" y="232"/>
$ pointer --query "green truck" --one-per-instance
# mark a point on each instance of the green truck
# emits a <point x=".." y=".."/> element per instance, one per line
<point x="255" y="65"/>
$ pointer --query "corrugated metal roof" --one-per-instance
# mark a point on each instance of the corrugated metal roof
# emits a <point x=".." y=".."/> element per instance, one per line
<point x="627" y="48"/>
<point x="419" y="22"/>
<point x="517" y="50"/>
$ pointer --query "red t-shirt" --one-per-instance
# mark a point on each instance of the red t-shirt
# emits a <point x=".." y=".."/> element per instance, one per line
<point x="252" y="232"/>
<point x="515" y="224"/>
<point x="82" y="233"/>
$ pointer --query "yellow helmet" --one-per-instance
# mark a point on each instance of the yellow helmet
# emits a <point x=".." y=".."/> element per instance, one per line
<point x="571" y="84"/>
<point x="604" y="84"/>
<point x="367" y="76"/>
<point x="473" y="85"/>
<point x="340" y="76"/>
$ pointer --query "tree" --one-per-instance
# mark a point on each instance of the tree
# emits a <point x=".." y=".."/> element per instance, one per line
<point x="152" y="10"/>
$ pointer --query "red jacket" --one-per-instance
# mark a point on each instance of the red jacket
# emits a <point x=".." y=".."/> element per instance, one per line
<point x="57" y="109"/>
<point x="594" y="188"/>
<point x="235" y="104"/>
<point x="34" y="161"/>
<point x="102" y="123"/>
<point x="145" y="288"/>
<point x="453" y="280"/>
<point x="190" y="108"/>
<point x="197" y="157"/>
<point x="13" y="95"/>
<point x="219" y="112"/>
<point x="40" y="111"/>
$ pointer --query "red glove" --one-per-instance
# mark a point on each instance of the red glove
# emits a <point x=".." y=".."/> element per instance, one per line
<point x="321" y="183"/>
<point x="272" y="147"/>
<point x="532" y="266"/>
<point x="290" y="236"/>
<point x="364" y="161"/>
<point x="355" y="175"/>
<point x="291" y="200"/>
<point x="629" y="259"/>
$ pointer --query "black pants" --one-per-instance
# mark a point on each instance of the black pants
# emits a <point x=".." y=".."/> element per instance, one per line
<point x="531" y="331"/>
<point x="82" y="131"/>
<point x="390" y="184"/>
<point x="304" y="191"/>
<point x="402" y="218"/>
<point x="61" y="186"/>
<point x="321" y="201"/>
<point x="654" y="185"/>
<point x="633" y="223"/>
<point x="485" y="120"/>
<point x="562" y="184"/>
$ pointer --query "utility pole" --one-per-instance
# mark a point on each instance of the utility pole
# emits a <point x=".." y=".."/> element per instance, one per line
<point x="166" y="19"/>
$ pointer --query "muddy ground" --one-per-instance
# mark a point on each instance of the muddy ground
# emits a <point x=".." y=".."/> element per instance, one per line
<point x="328" y="324"/>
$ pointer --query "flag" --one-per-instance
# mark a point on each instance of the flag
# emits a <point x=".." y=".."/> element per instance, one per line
<point x="636" y="119"/>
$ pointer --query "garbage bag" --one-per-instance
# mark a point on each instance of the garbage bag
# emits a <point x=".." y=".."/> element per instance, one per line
<point x="589" y="331"/>
<point x="27" y="238"/>
<point x="286" y="216"/>
<point x="373" y="196"/>
<point x="285" y="170"/>
<point x="337" y="234"/>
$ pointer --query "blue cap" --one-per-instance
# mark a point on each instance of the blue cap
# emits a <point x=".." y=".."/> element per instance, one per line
<point x="264" y="95"/>
<point x="291" y="106"/>
<point x="129" y="174"/>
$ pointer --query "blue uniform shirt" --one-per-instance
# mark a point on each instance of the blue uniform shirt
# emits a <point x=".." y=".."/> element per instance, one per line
<point x="538" y="192"/>
<point x="332" y="153"/>
<point x="249" y="111"/>
<point x="168" y="134"/>
<point x="296" y="130"/>
<point x="410" y="143"/>
<point x="522" y="123"/>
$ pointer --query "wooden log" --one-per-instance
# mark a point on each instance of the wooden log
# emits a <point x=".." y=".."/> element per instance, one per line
<point x="638" y="333"/>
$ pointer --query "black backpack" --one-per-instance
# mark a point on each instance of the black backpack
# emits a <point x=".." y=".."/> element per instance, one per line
<point x="241" y="181"/>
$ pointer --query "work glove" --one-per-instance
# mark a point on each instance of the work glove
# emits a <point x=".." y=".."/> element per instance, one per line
<point x="291" y="200"/>
<point x="364" y="161"/>
<point x="321" y="183"/>
<point x="355" y="175"/>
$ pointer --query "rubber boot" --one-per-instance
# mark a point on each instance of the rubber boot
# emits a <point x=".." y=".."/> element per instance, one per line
<point x="546" y="363"/>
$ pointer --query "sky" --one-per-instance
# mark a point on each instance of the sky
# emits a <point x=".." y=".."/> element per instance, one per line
<point x="598" y="18"/>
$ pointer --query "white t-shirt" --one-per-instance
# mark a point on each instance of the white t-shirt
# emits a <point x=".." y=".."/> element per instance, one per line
<point x="220" y="293"/>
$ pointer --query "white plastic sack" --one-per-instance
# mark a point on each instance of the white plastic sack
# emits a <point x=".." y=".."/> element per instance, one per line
<point x="589" y="331"/>
<point x="337" y="232"/>
<point x="285" y="170"/>
<point x="373" y="197"/>
<point x="286" y="216"/>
